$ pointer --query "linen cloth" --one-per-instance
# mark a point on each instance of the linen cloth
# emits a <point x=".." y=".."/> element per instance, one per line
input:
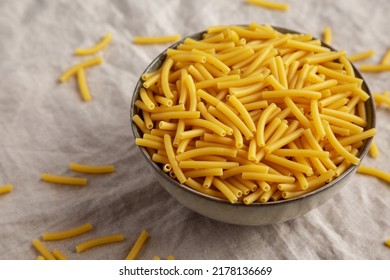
<point x="45" y="125"/>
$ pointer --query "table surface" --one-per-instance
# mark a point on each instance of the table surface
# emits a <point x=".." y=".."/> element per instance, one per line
<point x="44" y="125"/>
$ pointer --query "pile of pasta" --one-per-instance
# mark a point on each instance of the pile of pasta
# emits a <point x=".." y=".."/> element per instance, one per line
<point x="250" y="114"/>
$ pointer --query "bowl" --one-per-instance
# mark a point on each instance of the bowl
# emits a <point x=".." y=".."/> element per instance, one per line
<point x="257" y="213"/>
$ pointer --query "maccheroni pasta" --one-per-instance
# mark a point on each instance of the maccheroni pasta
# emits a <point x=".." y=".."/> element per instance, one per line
<point x="282" y="120"/>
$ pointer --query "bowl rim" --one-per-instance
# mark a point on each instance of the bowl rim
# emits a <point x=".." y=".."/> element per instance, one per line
<point x="352" y="169"/>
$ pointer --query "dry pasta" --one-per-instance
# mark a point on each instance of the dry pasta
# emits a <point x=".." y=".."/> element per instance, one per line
<point x="67" y="233"/>
<point x="156" y="39"/>
<point x="41" y="248"/>
<point x="66" y="180"/>
<point x="83" y="86"/>
<point x="387" y="242"/>
<point x="269" y="4"/>
<point x="98" y="47"/>
<point x="73" y="70"/>
<point x="372" y="171"/>
<point x="139" y="243"/>
<point x="59" y="255"/>
<point x="327" y="35"/>
<point x="288" y="112"/>
<point x="6" y="188"/>
<point x="99" y="241"/>
<point x="361" y="55"/>
<point x="101" y="169"/>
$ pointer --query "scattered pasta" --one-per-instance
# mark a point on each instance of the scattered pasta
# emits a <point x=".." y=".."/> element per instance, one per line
<point x="170" y="257"/>
<point x="372" y="171"/>
<point x="132" y="255"/>
<point x="41" y="248"/>
<point x="83" y="86"/>
<point x="66" y="180"/>
<point x="289" y="107"/>
<point x="157" y="39"/>
<point x="374" y="67"/>
<point x="67" y="233"/>
<point x="6" y="188"/>
<point x="100" y="169"/>
<point x="59" y="255"/>
<point x="269" y="4"/>
<point x="98" y="242"/>
<point x="82" y="65"/>
<point x="374" y="152"/>
<point x="386" y="57"/>
<point x="98" y="47"/>
<point x="382" y="98"/>
<point x="327" y="35"/>
<point x="361" y="55"/>
<point x="387" y="242"/>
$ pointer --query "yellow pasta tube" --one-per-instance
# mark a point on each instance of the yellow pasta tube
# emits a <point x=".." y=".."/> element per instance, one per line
<point x="386" y="57"/>
<point x="175" y="115"/>
<point x="267" y="177"/>
<point x="83" y="86"/>
<point x="213" y="60"/>
<point x="374" y="67"/>
<point x="269" y="5"/>
<point x="6" y="188"/>
<point x="41" y="248"/>
<point x="244" y="168"/>
<point x="338" y="76"/>
<point x="317" y="123"/>
<point x="198" y="187"/>
<point x="165" y="78"/>
<point x="249" y="199"/>
<point x="73" y="70"/>
<point x="149" y="143"/>
<point x="225" y="190"/>
<point x="139" y="243"/>
<point x="306" y="46"/>
<point x="140" y="124"/>
<point x="372" y="171"/>
<point x="49" y="236"/>
<point x="203" y="111"/>
<point x="206" y="124"/>
<point x="98" y="47"/>
<point x="204" y="172"/>
<point x="172" y="160"/>
<point x="338" y="147"/>
<point x="374" y="152"/>
<point x="324" y="57"/>
<point x="297" y="113"/>
<point x="235" y="119"/>
<point x="361" y="55"/>
<point x="91" y="169"/>
<point x="292" y="165"/>
<point x="99" y="241"/>
<point x="327" y="35"/>
<point x="291" y="93"/>
<point x="301" y="153"/>
<point x="207" y="164"/>
<point x="59" y="255"/>
<point x="156" y="39"/>
<point x="261" y="124"/>
<point x="344" y="116"/>
<point x="283" y="141"/>
<point x="243" y="112"/>
<point x="56" y="179"/>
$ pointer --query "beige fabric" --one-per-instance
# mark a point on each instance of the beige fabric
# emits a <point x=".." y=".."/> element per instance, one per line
<point x="44" y="126"/>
